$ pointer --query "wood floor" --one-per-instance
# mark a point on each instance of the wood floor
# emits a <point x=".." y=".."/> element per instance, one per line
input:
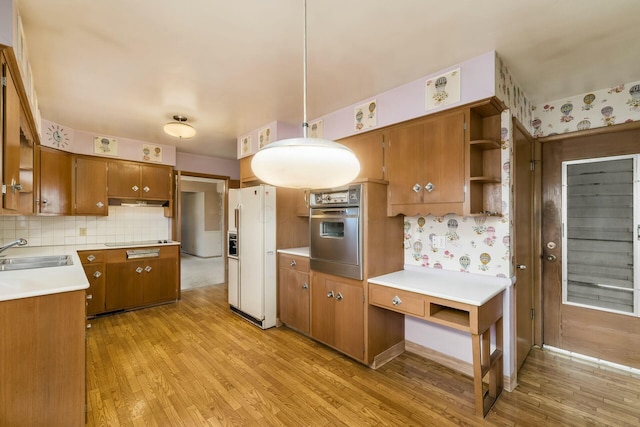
<point x="194" y="363"/>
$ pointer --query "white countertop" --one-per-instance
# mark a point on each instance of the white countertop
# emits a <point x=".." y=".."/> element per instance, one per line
<point x="52" y="280"/>
<point x="467" y="288"/>
<point x="303" y="251"/>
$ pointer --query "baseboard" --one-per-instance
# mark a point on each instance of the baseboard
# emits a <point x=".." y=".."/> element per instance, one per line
<point x="388" y="355"/>
<point x="457" y="365"/>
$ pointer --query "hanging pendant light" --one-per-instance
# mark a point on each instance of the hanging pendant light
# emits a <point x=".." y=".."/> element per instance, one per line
<point x="179" y="128"/>
<point x="305" y="162"/>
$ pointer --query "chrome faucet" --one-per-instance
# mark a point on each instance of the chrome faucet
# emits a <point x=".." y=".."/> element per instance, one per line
<point x="19" y="242"/>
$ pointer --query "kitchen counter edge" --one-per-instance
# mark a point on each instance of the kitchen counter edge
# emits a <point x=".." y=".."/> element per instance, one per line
<point x="302" y="251"/>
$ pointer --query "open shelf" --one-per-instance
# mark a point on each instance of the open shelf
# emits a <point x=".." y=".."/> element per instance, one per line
<point x="454" y="317"/>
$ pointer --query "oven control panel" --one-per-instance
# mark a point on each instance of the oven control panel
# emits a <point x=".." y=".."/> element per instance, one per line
<point x="343" y="197"/>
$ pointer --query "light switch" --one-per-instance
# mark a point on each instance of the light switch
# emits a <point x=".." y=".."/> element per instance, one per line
<point x="438" y="242"/>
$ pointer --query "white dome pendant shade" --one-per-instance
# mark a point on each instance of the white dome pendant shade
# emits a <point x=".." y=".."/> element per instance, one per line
<point x="305" y="162"/>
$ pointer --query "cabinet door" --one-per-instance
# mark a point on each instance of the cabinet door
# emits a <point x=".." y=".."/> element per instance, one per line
<point x="124" y="285"/>
<point x="349" y="319"/>
<point x="159" y="280"/>
<point x="294" y="299"/>
<point x="322" y="310"/>
<point x="91" y="186"/>
<point x="156" y="182"/>
<point x="124" y="179"/>
<point x="405" y="164"/>
<point x="302" y="202"/>
<point x="96" y="292"/>
<point x="56" y="170"/>
<point x="369" y="150"/>
<point x="11" y="141"/>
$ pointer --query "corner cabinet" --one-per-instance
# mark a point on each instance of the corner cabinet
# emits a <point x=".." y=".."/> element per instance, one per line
<point x="446" y="163"/>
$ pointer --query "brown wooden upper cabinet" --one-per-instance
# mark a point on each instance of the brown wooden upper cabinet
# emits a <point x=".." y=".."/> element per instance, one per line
<point x="56" y="174"/>
<point x="91" y="186"/>
<point x="368" y="148"/>
<point x="10" y="139"/>
<point x="425" y="164"/>
<point x="129" y="180"/>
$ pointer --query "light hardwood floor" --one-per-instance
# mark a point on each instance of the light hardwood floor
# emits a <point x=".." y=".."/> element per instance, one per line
<point x="193" y="363"/>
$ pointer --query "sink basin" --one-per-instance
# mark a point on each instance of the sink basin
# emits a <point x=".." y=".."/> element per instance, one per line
<point x="26" y="263"/>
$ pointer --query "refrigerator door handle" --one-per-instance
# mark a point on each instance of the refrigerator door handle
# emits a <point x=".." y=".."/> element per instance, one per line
<point x="236" y="216"/>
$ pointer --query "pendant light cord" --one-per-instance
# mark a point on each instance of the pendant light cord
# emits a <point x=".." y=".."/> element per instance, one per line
<point x="305" y="125"/>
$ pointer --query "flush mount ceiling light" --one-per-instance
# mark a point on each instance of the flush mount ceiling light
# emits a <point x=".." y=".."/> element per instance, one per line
<point x="179" y="128"/>
<point x="305" y="162"/>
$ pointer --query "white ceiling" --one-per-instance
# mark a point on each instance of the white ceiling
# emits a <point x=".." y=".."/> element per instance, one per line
<point x="124" y="68"/>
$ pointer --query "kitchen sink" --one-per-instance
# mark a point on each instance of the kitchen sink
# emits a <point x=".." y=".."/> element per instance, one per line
<point x="26" y="263"/>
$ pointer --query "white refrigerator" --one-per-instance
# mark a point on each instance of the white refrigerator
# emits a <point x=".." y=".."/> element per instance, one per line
<point x="252" y="277"/>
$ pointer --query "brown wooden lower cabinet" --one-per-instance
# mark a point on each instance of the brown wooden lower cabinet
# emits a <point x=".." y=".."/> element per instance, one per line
<point x="294" y="291"/>
<point x="42" y="360"/>
<point x="120" y="283"/>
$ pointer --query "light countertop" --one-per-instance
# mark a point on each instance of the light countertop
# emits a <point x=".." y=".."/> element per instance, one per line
<point x="18" y="284"/>
<point x="303" y="251"/>
<point x="467" y="288"/>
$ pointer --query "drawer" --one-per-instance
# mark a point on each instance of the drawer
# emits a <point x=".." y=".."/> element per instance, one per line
<point x="407" y="302"/>
<point x="91" y="257"/>
<point x="294" y="262"/>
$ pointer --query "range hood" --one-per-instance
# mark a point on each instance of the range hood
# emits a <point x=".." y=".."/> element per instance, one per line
<point x="132" y="203"/>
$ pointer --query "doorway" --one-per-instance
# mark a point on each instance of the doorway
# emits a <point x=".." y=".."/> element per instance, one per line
<point x="200" y="228"/>
<point x="575" y="230"/>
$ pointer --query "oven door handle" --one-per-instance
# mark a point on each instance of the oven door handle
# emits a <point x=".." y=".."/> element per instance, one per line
<point x="334" y="213"/>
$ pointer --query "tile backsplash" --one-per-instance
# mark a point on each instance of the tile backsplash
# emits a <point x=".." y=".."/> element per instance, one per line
<point x="123" y="224"/>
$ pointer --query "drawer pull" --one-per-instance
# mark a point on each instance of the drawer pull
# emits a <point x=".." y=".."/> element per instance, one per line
<point x="91" y="258"/>
<point x="330" y="294"/>
<point x="417" y="188"/>
<point x="339" y="297"/>
<point x="396" y="301"/>
<point x="97" y="274"/>
<point x="89" y="297"/>
<point x="305" y="286"/>
<point x="429" y="187"/>
<point x="88" y="325"/>
<point x="146" y="189"/>
<point x="147" y="268"/>
<point x="292" y="263"/>
<point x="135" y="188"/>
<point x="139" y="270"/>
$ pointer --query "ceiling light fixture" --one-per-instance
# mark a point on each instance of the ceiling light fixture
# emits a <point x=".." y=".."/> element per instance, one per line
<point x="305" y="162"/>
<point x="179" y="128"/>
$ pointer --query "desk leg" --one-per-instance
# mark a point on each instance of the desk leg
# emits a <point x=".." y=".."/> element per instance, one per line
<point x="477" y="374"/>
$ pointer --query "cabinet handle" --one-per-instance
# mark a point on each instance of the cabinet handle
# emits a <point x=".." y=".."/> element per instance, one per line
<point x="339" y="297"/>
<point x="135" y="188"/>
<point x="97" y="274"/>
<point x="89" y="297"/>
<point x="292" y="263"/>
<point x="417" y="188"/>
<point x="305" y="286"/>
<point x="99" y="204"/>
<point x="139" y="270"/>
<point x="16" y="187"/>
<point x="396" y="301"/>
<point x="330" y="294"/>
<point x="146" y="189"/>
<point x="429" y="187"/>
<point x="91" y="258"/>
<point x="147" y="268"/>
<point x="88" y="325"/>
<point x="45" y="201"/>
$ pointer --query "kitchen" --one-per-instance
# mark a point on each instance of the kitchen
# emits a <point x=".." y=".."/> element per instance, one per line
<point x="456" y="226"/>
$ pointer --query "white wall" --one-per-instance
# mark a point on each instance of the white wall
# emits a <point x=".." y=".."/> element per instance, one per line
<point x="195" y="239"/>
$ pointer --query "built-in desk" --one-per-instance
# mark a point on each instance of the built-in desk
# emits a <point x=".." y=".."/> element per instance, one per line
<point x="469" y="303"/>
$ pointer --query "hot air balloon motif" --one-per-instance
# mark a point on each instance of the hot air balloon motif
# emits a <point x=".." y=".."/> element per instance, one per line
<point x="452" y="225"/>
<point x="437" y="265"/>
<point x="504" y="137"/>
<point x="485" y="259"/>
<point x="417" y="250"/>
<point x="441" y="94"/>
<point x="607" y="116"/>
<point x="506" y="240"/>
<point x="491" y="236"/>
<point x="479" y="228"/>
<point x="448" y="254"/>
<point x="634" y="102"/>
<point x="421" y="222"/>
<point x="464" y="261"/>
<point x="407" y="228"/>
<point x="566" y="110"/>
<point x="588" y="101"/>
<point x="537" y="131"/>
<point x="584" y="124"/>
<point x="425" y="260"/>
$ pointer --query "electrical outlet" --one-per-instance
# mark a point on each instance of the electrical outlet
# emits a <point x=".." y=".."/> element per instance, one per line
<point x="83" y="231"/>
<point x="438" y="242"/>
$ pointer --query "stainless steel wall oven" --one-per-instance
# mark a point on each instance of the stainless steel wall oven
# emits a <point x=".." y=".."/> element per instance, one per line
<point x="336" y="231"/>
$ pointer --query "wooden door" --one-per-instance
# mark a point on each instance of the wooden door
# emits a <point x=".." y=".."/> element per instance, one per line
<point x="56" y="171"/>
<point x="124" y="285"/>
<point x="368" y="148"/>
<point x="524" y="241"/>
<point x="294" y="299"/>
<point x="601" y="334"/>
<point x="349" y="318"/>
<point x="322" y="309"/>
<point x="91" y="186"/>
<point x="159" y="280"/>
<point x="124" y="179"/>
<point x="95" y="293"/>
<point x="156" y="182"/>
<point x="443" y="159"/>
<point x="11" y="141"/>
<point x="404" y="161"/>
